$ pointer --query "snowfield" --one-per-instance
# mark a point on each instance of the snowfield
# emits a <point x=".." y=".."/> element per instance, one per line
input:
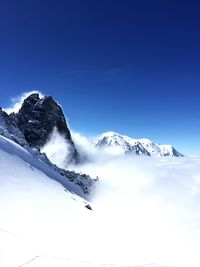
<point x="35" y="209"/>
<point x="146" y="212"/>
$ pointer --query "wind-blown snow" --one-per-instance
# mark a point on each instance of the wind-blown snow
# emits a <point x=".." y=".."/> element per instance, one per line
<point x="57" y="149"/>
<point x="16" y="102"/>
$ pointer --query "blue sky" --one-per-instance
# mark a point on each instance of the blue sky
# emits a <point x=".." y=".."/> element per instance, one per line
<point x="128" y="66"/>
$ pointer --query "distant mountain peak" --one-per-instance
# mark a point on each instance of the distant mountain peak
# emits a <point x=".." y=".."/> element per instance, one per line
<point x="128" y="145"/>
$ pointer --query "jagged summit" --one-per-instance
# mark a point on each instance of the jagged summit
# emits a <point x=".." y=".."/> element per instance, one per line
<point x="31" y="128"/>
<point x="39" y="116"/>
<point x="127" y="145"/>
<point x="37" y="119"/>
<point x="9" y="129"/>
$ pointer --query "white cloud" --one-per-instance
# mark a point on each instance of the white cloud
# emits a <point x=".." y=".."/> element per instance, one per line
<point x="57" y="149"/>
<point x="145" y="209"/>
<point x="89" y="153"/>
<point x="16" y="102"/>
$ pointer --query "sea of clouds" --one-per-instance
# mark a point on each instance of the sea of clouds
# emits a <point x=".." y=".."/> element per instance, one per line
<point x="148" y="208"/>
<point x="145" y="209"/>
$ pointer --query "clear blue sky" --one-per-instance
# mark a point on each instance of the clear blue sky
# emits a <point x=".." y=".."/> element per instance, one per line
<point x="128" y="66"/>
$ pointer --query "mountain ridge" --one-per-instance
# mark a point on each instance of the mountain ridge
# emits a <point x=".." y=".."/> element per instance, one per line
<point x="132" y="146"/>
<point x="9" y="128"/>
<point x="37" y="118"/>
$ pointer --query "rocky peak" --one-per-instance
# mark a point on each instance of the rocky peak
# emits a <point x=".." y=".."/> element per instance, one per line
<point x="38" y="117"/>
<point x="9" y="129"/>
<point x="30" y="101"/>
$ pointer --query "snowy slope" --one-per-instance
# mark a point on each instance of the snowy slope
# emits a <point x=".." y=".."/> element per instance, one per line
<point x="30" y="201"/>
<point x="41" y="223"/>
<point x="143" y="211"/>
<point x="79" y="183"/>
<point x="118" y="143"/>
<point x="71" y="181"/>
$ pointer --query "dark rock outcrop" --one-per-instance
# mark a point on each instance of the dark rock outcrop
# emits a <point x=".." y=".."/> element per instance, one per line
<point x="9" y="129"/>
<point x="137" y="149"/>
<point x="37" y="119"/>
<point x="31" y="128"/>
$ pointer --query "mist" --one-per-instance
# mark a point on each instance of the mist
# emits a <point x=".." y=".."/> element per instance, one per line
<point x="57" y="149"/>
<point x="148" y="209"/>
<point x="145" y="209"/>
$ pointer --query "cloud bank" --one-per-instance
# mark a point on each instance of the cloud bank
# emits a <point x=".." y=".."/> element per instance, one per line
<point x="146" y="209"/>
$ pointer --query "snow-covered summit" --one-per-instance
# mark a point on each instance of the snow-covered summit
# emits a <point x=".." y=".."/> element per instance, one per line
<point x="120" y="144"/>
<point x="128" y="145"/>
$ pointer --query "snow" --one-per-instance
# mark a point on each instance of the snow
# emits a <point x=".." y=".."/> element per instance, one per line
<point x="166" y="150"/>
<point x="41" y="261"/>
<point x="8" y="129"/>
<point x="57" y="149"/>
<point x="33" y="206"/>
<point x="117" y="143"/>
<point x="152" y="206"/>
<point x="144" y="210"/>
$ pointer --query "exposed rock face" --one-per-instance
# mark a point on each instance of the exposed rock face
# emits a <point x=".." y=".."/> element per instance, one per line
<point x="137" y="149"/>
<point x="38" y="117"/>
<point x="31" y="128"/>
<point x="9" y="129"/>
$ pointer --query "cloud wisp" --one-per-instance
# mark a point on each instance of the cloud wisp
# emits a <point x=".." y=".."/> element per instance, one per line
<point x="16" y="102"/>
<point x="57" y="149"/>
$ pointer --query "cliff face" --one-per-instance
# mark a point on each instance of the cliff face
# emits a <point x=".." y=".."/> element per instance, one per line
<point x="9" y="129"/>
<point x="38" y="117"/>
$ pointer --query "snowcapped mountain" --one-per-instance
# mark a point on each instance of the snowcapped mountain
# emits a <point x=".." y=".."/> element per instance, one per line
<point x="45" y="214"/>
<point x="118" y="143"/>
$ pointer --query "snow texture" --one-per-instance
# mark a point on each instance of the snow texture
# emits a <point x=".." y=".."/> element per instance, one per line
<point x="117" y="143"/>
<point x="144" y="210"/>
